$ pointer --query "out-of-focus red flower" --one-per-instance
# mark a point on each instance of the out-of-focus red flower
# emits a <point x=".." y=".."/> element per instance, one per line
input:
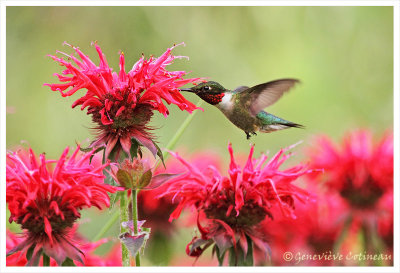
<point x="314" y="231"/>
<point x="45" y="197"/>
<point x="184" y="260"/>
<point x="87" y="248"/>
<point x="385" y="222"/>
<point x="122" y="104"/>
<point x="230" y="209"/>
<point x="360" y="171"/>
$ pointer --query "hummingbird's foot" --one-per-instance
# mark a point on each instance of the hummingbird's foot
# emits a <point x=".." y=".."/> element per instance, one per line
<point x="248" y="136"/>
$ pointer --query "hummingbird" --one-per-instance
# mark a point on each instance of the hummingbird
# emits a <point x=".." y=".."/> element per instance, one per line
<point x="244" y="105"/>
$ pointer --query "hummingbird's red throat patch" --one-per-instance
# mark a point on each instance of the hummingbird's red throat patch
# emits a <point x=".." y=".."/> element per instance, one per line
<point x="212" y="98"/>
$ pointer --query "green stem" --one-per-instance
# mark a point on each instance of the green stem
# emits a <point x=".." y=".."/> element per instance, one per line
<point x="233" y="257"/>
<point x="134" y="211"/>
<point x="237" y="256"/>
<point x="343" y="234"/>
<point x="124" y="217"/>
<point x="170" y="146"/>
<point x="377" y="244"/>
<point x="46" y="260"/>
<point x="135" y="221"/>
<point x="365" y="236"/>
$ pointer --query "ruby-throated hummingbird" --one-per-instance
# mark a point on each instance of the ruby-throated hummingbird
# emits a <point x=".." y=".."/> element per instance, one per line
<point x="244" y="106"/>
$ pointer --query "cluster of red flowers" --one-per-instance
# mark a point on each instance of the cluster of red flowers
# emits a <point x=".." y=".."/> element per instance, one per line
<point x="354" y="196"/>
<point x="252" y="209"/>
<point x="122" y="104"/>
<point x="252" y="213"/>
<point x="45" y="197"/>
<point x="46" y="201"/>
<point x="360" y="174"/>
<point x="315" y="230"/>
<point x="233" y="207"/>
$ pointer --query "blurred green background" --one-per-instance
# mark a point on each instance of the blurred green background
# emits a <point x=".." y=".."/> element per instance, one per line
<point x="342" y="55"/>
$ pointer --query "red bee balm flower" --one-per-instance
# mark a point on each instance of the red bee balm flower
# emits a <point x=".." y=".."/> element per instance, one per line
<point x="122" y="104"/>
<point x="234" y="206"/>
<point x="361" y="172"/>
<point x="46" y="200"/>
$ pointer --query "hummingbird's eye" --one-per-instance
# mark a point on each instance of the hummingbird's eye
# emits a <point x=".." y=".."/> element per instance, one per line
<point x="206" y="88"/>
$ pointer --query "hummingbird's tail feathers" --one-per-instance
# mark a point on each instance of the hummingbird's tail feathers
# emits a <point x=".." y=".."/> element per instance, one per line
<point x="270" y="123"/>
<point x="279" y="126"/>
<point x="295" y="125"/>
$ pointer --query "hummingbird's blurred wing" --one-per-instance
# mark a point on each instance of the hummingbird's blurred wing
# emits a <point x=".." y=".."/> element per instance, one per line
<point x="240" y="89"/>
<point x="263" y="95"/>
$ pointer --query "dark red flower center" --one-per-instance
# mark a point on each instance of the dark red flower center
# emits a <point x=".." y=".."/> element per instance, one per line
<point x="249" y="215"/>
<point x="361" y="197"/>
<point x="34" y="219"/>
<point x="123" y="112"/>
<point x="321" y="242"/>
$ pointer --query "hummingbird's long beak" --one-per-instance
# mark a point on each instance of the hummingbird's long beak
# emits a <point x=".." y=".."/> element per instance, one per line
<point x="187" y="90"/>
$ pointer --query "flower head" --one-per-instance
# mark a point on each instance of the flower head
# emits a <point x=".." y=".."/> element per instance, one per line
<point x="360" y="171"/>
<point x="233" y="206"/>
<point x="138" y="175"/>
<point x="122" y="104"/>
<point x="45" y="197"/>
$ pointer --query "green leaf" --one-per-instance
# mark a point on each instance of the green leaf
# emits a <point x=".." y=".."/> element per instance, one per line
<point x="134" y="148"/>
<point x="113" y="154"/>
<point x="146" y="229"/>
<point x="220" y="255"/>
<point x="249" y="258"/>
<point x="109" y="179"/>
<point x="232" y="257"/>
<point x="95" y="152"/>
<point x="237" y="258"/>
<point x="160" y="179"/>
<point x="30" y="252"/>
<point x="68" y="262"/>
<point x="145" y="179"/>
<point x="46" y="259"/>
<point x="35" y="259"/>
<point x="148" y="143"/>
<point x="223" y="242"/>
<point x="134" y="243"/>
<point x="124" y="179"/>
<point x="160" y="154"/>
<point x="87" y="149"/>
